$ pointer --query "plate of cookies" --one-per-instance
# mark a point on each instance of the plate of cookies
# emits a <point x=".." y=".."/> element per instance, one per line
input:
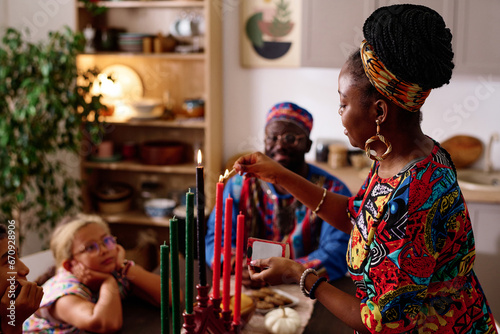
<point x="268" y="299"/>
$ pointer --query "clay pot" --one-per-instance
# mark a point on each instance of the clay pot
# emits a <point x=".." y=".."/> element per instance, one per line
<point x="162" y="152"/>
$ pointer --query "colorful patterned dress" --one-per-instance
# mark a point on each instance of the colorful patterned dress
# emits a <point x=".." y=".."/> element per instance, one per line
<point x="411" y="252"/>
<point x="272" y="216"/>
<point x="62" y="284"/>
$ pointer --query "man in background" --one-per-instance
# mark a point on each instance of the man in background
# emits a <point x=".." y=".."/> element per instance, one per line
<point x="271" y="213"/>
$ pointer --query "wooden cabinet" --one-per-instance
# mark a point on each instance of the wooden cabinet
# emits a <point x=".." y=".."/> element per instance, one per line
<point x="475" y="36"/>
<point x="184" y="76"/>
<point x="486" y="226"/>
<point x="333" y="29"/>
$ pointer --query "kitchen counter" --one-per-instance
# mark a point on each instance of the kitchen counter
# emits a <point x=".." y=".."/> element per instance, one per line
<point x="354" y="178"/>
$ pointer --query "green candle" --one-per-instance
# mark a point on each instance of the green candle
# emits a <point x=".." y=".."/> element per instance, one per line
<point x="165" y="309"/>
<point x="189" y="250"/>
<point x="174" y="274"/>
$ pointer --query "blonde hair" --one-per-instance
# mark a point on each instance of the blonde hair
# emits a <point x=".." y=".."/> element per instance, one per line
<point x="61" y="243"/>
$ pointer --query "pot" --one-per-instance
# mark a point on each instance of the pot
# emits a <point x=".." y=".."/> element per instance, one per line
<point x="161" y="152"/>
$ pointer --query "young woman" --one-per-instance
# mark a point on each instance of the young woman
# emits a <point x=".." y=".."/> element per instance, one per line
<point x="411" y="250"/>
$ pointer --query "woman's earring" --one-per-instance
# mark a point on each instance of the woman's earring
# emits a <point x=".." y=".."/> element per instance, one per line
<point x="378" y="136"/>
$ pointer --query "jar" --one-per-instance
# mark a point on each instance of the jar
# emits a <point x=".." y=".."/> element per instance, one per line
<point x="194" y="107"/>
<point x="150" y="190"/>
<point x="337" y="155"/>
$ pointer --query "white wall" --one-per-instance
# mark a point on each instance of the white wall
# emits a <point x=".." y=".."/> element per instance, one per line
<point x="40" y="16"/>
<point x="468" y="105"/>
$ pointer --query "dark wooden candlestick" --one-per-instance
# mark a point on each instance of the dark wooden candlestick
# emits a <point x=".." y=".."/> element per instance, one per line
<point x="202" y="296"/>
<point x="216" y="304"/>
<point x="207" y="316"/>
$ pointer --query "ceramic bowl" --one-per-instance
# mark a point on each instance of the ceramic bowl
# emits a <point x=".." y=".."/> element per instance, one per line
<point x="144" y="106"/>
<point x="159" y="207"/>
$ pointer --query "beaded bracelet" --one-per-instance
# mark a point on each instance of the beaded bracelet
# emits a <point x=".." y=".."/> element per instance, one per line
<point x="303" y="280"/>
<point x="315" y="286"/>
<point x="320" y="202"/>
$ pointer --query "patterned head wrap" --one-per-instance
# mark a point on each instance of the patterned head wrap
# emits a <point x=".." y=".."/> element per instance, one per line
<point x="290" y="112"/>
<point x="408" y="95"/>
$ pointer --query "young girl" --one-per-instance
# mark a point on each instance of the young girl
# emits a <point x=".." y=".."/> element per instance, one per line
<point x="91" y="279"/>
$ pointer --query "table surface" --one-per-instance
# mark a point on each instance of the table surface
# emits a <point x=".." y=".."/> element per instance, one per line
<point x="141" y="317"/>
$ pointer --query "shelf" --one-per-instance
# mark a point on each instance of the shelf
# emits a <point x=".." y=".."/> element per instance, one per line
<point x="165" y="55"/>
<point x="134" y="166"/>
<point x="185" y="123"/>
<point x="149" y="4"/>
<point x="136" y="218"/>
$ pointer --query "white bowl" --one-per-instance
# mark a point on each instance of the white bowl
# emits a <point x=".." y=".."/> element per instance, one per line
<point x="159" y="207"/>
<point x="144" y="106"/>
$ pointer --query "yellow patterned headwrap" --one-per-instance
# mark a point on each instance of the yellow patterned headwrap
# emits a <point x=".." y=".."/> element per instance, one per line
<point x="405" y="94"/>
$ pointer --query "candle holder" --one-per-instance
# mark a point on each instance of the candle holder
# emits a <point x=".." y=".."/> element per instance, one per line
<point x="207" y="316"/>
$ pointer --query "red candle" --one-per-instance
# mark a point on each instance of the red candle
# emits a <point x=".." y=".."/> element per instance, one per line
<point x="240" y="227"/>
<point x="217" y="239"/>
<point x="228" y="222"/>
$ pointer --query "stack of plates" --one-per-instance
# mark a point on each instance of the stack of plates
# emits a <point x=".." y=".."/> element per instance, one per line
<point x="131" y="42"/>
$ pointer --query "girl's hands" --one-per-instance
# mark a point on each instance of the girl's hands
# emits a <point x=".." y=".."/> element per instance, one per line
<point x="276" y="270"/>
<point x="120" y="257"/>
<point x="261" y="166"/>
<point x="91" y="278"/>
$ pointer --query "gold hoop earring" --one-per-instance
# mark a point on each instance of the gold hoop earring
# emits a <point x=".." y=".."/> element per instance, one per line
<point x="378" y="136"/>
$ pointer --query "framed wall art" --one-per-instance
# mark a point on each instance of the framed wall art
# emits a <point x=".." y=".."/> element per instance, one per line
<point x="270" y="33"/>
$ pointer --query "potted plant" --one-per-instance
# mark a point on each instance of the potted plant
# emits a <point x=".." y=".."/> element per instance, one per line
<point x="93" y="7"/>
<point x="43" y="110"/>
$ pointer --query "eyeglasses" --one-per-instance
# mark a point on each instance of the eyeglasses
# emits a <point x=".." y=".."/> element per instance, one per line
<point x="94" y="247"/>
<point x="287" y="138"/>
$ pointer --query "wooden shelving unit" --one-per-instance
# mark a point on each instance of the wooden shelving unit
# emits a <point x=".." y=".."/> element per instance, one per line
<point x="185" y="76"/>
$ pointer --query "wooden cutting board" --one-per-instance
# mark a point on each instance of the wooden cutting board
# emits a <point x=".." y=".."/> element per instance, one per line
<point x="464" y="150"/>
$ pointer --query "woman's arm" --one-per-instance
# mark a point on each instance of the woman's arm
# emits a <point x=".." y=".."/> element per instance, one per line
<point x="334" y="207"/>
<point x="105" y="316"/>
<point x="278" y="270"/>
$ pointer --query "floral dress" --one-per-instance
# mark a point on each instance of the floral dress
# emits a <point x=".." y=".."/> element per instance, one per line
<point x="62" y="284"/>
<point x="411" y="252"/>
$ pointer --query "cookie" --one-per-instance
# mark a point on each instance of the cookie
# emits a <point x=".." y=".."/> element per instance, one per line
<point x="267" y="291"/>
<point x="259" y="294"/>
<point x="263" y="305"/>
<point x="286" y="300"/>
<point x="275" y="301"/>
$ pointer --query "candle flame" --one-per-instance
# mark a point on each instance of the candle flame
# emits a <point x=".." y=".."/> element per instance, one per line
<point x="226" y="174"/>
<point x="221" y="178"/>
<point x="199" y="157"/>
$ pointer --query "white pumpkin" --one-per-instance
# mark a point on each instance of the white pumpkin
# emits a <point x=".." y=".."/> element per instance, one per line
<point x="282" y="321"/>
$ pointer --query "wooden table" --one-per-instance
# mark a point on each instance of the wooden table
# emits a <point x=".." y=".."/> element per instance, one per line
<point x="141" y="317"/>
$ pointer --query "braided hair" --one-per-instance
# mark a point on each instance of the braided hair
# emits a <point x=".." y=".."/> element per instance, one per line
<point x="412" y="41"/>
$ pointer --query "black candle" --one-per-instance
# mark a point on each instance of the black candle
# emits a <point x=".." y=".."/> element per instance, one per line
<point x="200" y="226"/>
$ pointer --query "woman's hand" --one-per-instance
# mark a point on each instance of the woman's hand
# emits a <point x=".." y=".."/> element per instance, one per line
<point x="91" y="278"/>
<point x="27" y="301"/>
<point x="276" y="270"/>
<point x="261" y="166"/>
